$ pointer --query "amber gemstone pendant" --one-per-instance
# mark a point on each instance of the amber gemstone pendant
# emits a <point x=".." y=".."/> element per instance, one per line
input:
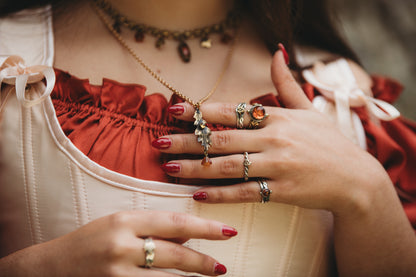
<point x="257" y="114"/>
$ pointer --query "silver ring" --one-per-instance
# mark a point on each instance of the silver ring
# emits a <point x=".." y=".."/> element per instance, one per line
<point x="239" y="111"/>
<point x="264" y="190"/>
<point x="257" y="114"/>
<point x="246" y="164"/>
<point x="149" y="251"/>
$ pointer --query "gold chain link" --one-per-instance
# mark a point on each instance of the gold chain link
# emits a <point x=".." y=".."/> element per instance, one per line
<point x="157" y="76"/>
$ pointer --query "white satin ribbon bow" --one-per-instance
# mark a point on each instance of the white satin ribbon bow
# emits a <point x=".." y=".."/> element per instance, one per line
<point x="336" y="82"/>
<point x="13" y="71"/>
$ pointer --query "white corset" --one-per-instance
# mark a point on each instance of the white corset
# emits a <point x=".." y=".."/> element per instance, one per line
<point x="49" y="188"/>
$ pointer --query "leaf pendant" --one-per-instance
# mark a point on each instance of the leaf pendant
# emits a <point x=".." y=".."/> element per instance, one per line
<point x="203" y="134"/>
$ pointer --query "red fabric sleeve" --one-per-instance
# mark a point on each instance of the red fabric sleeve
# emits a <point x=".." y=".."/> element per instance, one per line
<point x="393" y="143"/>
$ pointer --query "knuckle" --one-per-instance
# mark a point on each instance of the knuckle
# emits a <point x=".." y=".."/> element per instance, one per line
<point x="111" y="271"/>
<point x="288" y="163"/>
<point x="217" y="197"/>
<point x="244" y="194"/>
<point x="221" y="140"/>
<point x="228" y="167"/>
<point x="184" y="143"/>
<point x="114" y="270"/>
<point x="210" y="230"/>
<point x="117" y="247"/>
<point x="191" y="168"/>
<point x="120" y="219"/>
<point x="227" y="112"/>
<point x="179" y="255"/>
<point x="179" y="221"/>
<point x="272" y="139"/>
<point x="276" y="164"/>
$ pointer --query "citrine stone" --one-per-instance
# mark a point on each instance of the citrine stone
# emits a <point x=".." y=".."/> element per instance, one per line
<point x="184" y="51"/>
<point x="206" y="161"/>
<point x="258" y="112"/>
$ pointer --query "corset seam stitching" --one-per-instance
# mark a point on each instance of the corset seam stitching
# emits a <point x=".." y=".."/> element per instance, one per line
<point x="25" y="178"/>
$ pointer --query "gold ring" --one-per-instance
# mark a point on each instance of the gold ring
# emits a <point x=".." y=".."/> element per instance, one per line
<point x="257" y="114"/>
<point x="239" y="111"/>
<point x="246" y="164"/>
<point x="149" y="251"/>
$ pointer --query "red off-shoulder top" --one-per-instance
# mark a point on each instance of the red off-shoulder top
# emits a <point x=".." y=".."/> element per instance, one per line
<point x="114" y="125"/>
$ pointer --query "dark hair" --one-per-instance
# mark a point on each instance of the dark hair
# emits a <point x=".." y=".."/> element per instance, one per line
<point x="303" y="22"/>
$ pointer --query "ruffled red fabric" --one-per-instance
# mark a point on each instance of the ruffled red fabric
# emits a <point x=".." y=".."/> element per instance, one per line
<point x="115" y="124"/>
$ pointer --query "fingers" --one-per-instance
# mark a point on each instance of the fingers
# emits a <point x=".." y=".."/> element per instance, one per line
<point x="152" y="273"/>
<point x="247" y="192"/>
<point x="133" y="226"/>
<point x="172" y="255"/>
<point x="172" y="225"/>
<point x="215" y="113"/>
<point x="223" y="142"/>
<point x="290" y="93"/>
<point x="223" y="167"/>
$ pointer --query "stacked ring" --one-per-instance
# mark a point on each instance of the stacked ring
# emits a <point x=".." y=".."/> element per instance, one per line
<point x="239" y="111"/>
<point x="246" y="164"/>
<point x="264" y="190"/>
<point x="257" y="114"/>
<point x="149" y="250"/>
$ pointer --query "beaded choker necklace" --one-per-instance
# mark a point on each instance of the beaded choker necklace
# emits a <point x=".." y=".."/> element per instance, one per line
<point x="202" y="132"/>
<point x="140" y="30"/>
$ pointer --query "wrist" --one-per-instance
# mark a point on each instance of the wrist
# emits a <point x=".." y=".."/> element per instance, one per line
<point x="365" y="196"/>
<point x="30" y="261"/>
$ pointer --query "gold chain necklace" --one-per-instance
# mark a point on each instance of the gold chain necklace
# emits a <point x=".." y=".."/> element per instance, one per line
<point x="232" y="21"/>
<point x="202" y="132"/>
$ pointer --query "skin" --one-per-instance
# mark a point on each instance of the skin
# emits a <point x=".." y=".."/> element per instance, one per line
<point x="113" y="246"/>
<point x="371" y="239"/>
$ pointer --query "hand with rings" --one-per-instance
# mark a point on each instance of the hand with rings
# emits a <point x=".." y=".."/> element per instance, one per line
<point x="135" y="243"/>
<point x="300" y="156"/>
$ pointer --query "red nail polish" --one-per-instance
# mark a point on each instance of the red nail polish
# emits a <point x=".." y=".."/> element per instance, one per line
<point x="285" y="55"/>
<point x="229" y="231"/>
<point x="176" y="109"/>
<point x="220" y="269"/>
<point x="162" y="143"/>
<point x="200" y="196"/>
<point x="171" y="167"/>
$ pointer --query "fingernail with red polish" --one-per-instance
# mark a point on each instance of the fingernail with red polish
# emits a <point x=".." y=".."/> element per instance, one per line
<point x="162" y="143"/>
<point x="220" y="268"/>
<point x="200" y="196"/>
<point x="176" y="109"/>
<point x="283" y="49"/>
<point x="229" y="231"/>
<point x="171" y="167"/>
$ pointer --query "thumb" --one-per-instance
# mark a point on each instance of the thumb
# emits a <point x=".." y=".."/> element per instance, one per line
<point x="290" y="93"/>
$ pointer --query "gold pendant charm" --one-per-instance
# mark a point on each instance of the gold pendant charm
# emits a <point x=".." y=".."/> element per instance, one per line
<point x="206" y="43"/>
<point x="204" y="135"/>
